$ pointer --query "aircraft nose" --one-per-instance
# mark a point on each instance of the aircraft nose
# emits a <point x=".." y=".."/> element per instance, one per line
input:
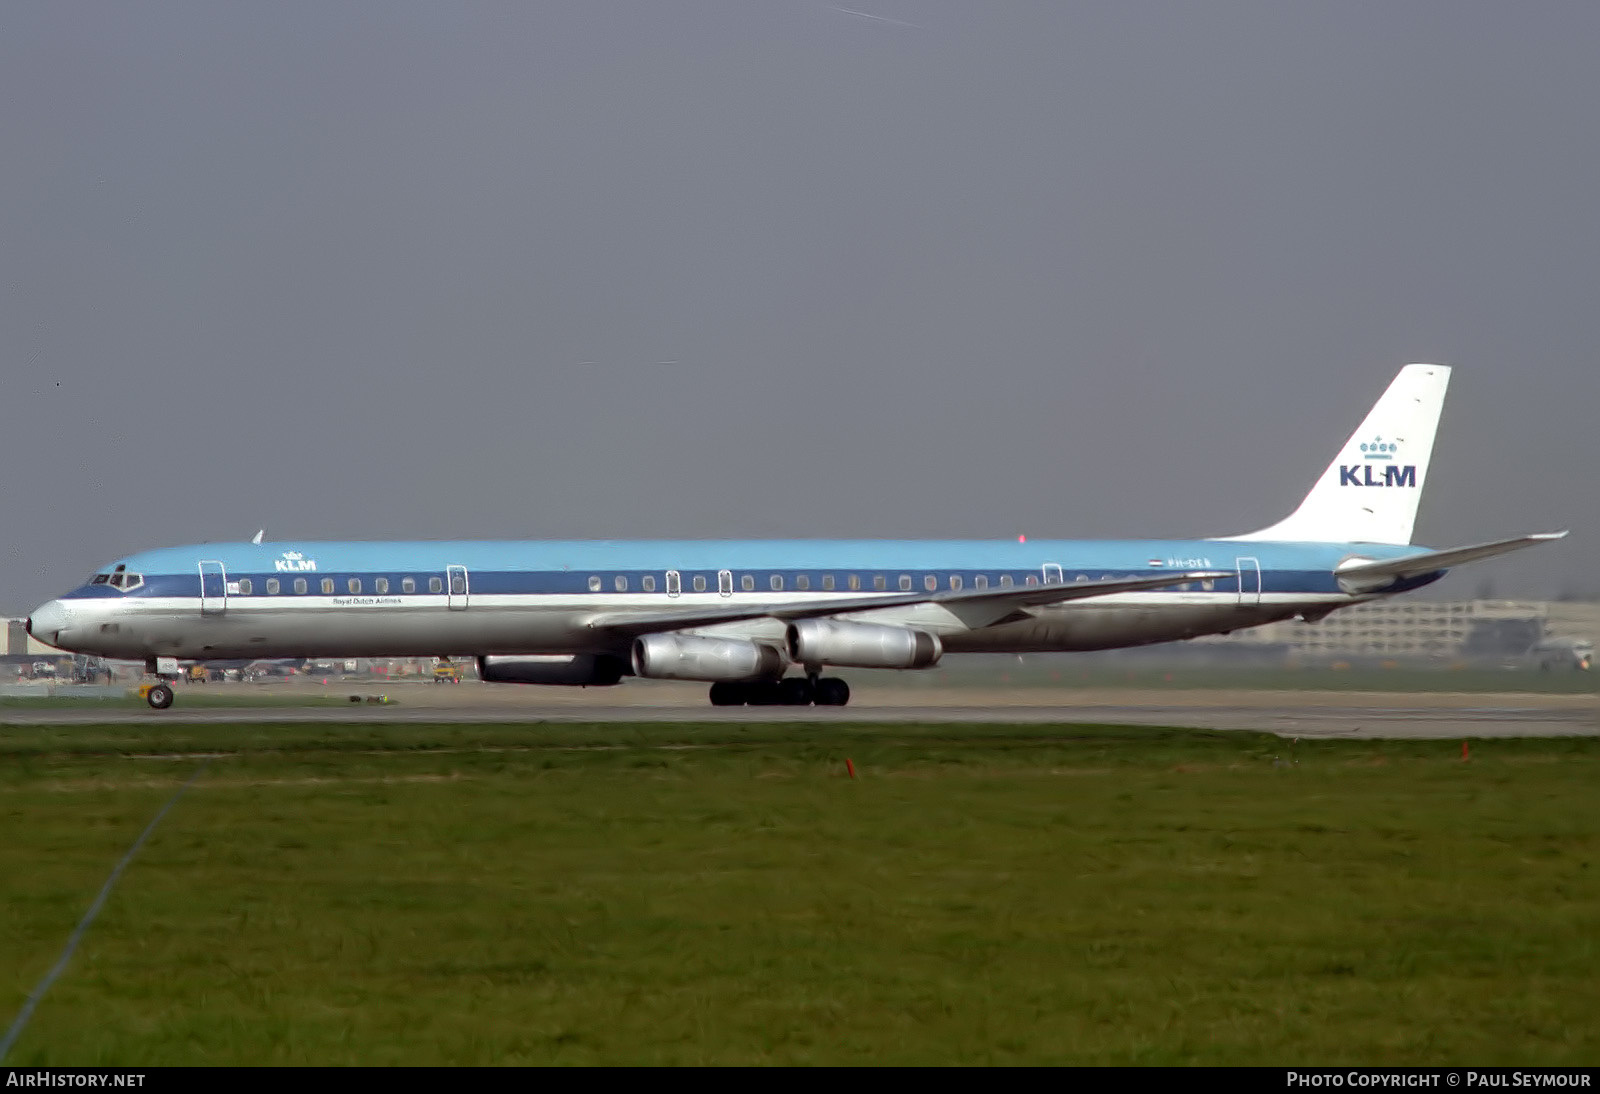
<point x="48" y="621"/>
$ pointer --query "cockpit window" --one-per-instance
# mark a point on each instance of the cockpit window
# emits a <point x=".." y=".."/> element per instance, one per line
<point x="100" y="579"/>
<point x="125" y="581"/>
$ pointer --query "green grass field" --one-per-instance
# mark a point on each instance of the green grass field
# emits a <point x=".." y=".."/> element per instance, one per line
<point x="1070" y="672"/>
<point x="718" y="894"/>
<point x="190" y="697"/>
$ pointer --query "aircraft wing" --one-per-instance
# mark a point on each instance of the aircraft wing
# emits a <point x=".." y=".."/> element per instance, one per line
<point x="1005" y="597"/>
<point x="1359" y="575"/>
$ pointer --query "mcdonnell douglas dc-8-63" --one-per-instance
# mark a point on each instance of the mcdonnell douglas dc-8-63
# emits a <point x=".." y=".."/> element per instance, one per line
<point x="741" y="614"/>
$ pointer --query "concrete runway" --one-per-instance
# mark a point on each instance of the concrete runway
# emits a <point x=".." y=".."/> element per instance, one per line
<point x="1287" y="713"/>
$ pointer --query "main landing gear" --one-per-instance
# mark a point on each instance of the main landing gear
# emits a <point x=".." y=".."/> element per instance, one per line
<point x="792" y="691"/>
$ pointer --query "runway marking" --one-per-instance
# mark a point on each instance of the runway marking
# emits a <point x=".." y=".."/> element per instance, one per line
<point x="49" y="979"/>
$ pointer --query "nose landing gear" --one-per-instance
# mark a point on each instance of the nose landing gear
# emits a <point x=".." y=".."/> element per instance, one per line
<point x="158" y="694"/>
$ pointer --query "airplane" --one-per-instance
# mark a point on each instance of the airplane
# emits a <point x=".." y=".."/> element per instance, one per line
<point x="741" y="614"/>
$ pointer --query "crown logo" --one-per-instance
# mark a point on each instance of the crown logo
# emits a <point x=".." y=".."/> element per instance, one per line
<point x="1378" y="449"/>
<point x="296" y="556"/>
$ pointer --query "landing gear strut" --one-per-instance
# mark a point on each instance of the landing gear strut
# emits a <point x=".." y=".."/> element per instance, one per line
<point x="792" y="691"/>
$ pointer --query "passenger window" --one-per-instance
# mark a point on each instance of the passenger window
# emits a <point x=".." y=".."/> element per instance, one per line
<point x="905" y="583"/>
<point x="273" y="586"/>
<point x="594" y="584"/>
<point x="981" y="581"/>
<point x="1031" y="580"/>
<point x="1005" y="581"/>
<point x="380" y="584"/>
<point x="327" y="585"/>
<point x="674" y="583"/>
<point x="649" y="582"/>
<point x="300" y="585"/>
<point x="879" y="582"/>
<point x="930" y="583"/>
<point x="699" y="583"/>
<point x="955" y="581"/>
<point x="244" y="586"/>
<point x="621" y="584"/>
<point x="855" y="581"/>
<point x="777" y="582"/>
<point x="436" y="584"/>
<point x="802" y="581"/>
<point x="827" y="582"/>
<point x="408" y="584"/>
<point x="1208" y="585"/>
<point x="354" y="584"/>
<point x="747" y="582"/>
<point x="1083" y="577"/>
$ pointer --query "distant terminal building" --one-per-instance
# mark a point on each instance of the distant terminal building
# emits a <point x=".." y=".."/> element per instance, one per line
<point x="1421" y="629"/>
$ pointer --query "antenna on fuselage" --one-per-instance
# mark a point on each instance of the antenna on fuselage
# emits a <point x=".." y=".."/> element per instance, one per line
<point x="256" y="539"/>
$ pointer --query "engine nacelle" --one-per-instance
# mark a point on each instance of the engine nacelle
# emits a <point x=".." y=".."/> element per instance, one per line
<point x="686" y="657"/>
<point x="575" y="670"/>
<point x="860" y="645"/>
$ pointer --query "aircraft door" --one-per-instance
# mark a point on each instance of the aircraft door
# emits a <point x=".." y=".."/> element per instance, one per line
<point x="213" y="588"/>
<point x="725" y="582"/>
<point x="1052" y="573"/>
<point x="1249" y="570"/>
<point x="456" y="587"/>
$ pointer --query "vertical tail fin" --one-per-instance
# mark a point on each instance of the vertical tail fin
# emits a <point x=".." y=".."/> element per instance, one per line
<point x="1369" y="493"/>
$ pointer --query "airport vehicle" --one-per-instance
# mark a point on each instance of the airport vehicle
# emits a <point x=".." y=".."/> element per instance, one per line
<point x="741" y="614"/>
<point x="1564" y="653"/>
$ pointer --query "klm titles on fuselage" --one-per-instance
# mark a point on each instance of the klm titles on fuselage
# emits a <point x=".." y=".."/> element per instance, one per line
<point x="294" y="560"/>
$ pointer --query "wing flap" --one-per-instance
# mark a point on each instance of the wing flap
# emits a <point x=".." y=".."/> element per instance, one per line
<point x="1007" y="597"/>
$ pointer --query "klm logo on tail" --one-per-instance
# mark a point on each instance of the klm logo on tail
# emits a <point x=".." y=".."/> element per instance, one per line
<point x="1361" y="474"/>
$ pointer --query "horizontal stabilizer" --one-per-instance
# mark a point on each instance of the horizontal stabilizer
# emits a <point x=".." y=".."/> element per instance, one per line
<point x="1006" y="596"/>
<point x="1364" y="575"/>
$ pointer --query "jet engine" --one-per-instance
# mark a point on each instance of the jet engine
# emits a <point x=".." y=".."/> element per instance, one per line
<point x="860" y="645"/>
<point x="686" y="657"/>
<point x="578" y="670"/>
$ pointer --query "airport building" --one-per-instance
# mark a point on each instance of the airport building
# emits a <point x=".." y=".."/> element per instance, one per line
<point x="1399" y="628"/>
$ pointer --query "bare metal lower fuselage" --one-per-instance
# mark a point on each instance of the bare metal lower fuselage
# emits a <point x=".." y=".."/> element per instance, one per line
<point x="174" y="628"/>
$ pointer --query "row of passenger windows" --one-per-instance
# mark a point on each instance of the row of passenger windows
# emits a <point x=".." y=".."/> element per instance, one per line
<point x="328" y="586"/>
<point x="673" y="580"/>
<point x="879" y="582"/>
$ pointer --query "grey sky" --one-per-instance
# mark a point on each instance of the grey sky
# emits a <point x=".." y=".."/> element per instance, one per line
<point x="777" y="269"/>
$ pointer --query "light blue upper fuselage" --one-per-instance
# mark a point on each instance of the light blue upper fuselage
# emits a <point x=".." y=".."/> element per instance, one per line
<point x="564" y="565"/>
